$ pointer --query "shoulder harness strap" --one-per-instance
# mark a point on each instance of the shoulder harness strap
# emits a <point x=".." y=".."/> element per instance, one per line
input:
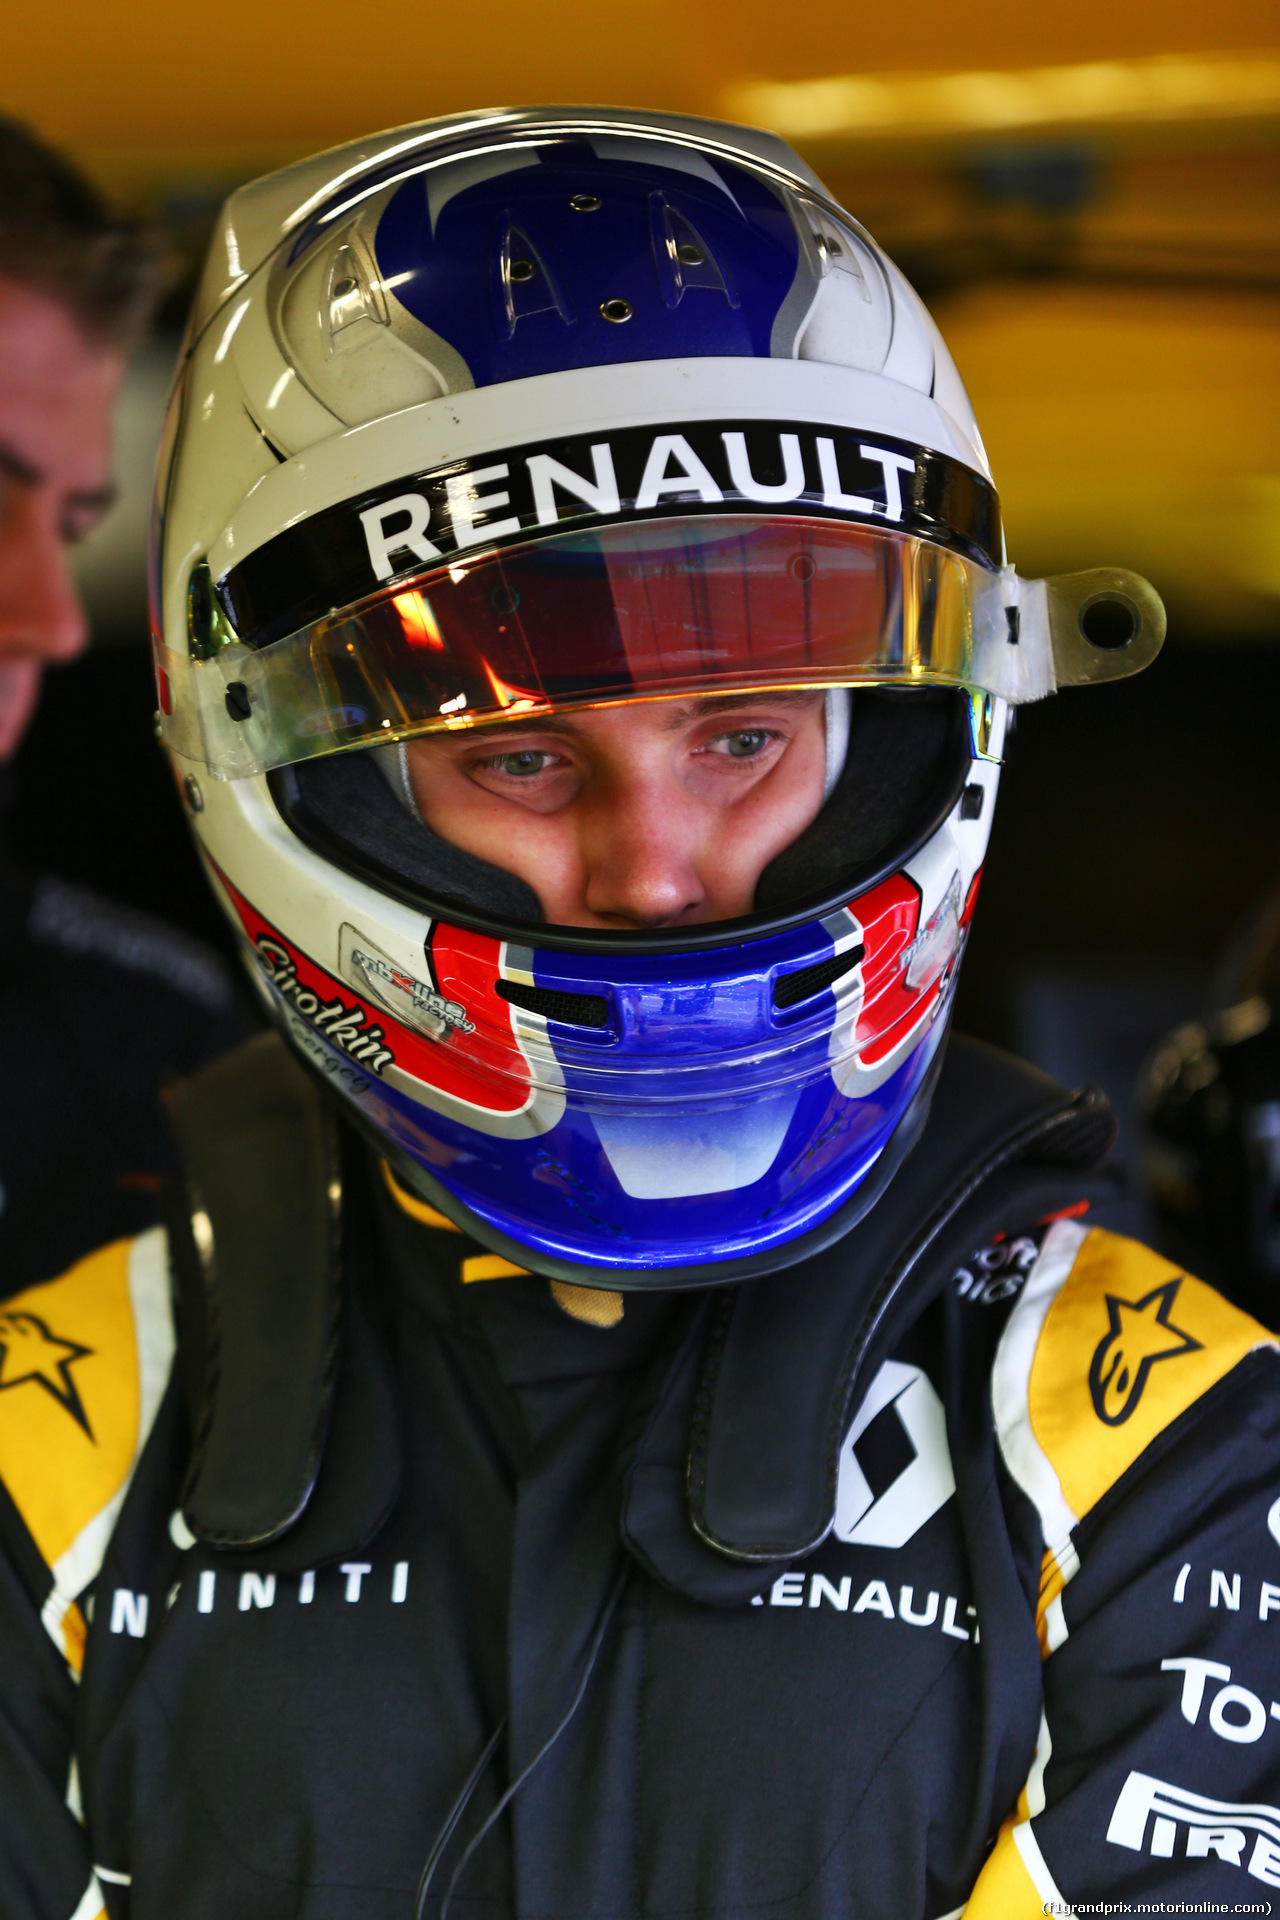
<point x="786" y="1357"/>
<point x="256" y="1243"/>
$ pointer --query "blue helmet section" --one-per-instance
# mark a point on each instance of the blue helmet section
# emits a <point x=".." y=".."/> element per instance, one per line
<point x="641" y="1113"/>
<point x="522" y="270"/>
<point x="560" y="1195"/>
<point x="701" y="1123"/>
<point x="732" y="1173"/>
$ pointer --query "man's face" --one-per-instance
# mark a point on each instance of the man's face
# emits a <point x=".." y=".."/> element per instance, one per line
<point x="57" y="390"/>
<point x="662" y="814"/>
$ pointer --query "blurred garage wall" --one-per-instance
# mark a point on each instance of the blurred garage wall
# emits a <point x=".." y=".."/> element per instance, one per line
<point x="1090" y="199"/>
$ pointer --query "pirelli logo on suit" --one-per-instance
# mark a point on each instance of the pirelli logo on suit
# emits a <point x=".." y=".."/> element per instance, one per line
<point x="341" y="556"/>
<point x="1167" y="1821"/>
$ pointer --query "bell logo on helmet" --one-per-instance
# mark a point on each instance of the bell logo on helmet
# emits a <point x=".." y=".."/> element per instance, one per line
<point x="367" y="967"/>
<point x="934" y="947"/>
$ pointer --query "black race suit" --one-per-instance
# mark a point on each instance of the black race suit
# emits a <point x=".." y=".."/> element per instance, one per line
<point x="1032" y="1654"/>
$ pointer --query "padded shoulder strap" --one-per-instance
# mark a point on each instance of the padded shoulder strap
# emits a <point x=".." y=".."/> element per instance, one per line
<point x="787" y="1355"/>
<point x="262" y="1198"/>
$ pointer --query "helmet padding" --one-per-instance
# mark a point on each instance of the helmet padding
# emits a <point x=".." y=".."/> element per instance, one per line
<point x="907" y="762"/>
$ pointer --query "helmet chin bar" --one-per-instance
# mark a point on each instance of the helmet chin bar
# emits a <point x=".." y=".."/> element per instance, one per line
<point x="714" y="1273"/>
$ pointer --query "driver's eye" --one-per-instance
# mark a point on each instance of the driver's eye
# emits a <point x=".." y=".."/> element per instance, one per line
<point x="531" y="760"/>
<point x="745" y="744"/>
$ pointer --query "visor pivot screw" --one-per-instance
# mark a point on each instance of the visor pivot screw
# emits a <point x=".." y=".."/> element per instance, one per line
<point x="522" y="270"/>
<point x="616" y="310"/>
<point x="238" y="700"/>
<point x="689" y="255"/>
<point x="192" y="794"/>
<point x="585" y="203"/>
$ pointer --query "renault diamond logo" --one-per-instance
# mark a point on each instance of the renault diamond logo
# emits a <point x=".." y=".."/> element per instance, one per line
<point x="895" y="1467"/>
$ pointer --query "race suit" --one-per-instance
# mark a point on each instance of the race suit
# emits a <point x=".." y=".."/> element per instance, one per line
<point x="1031" y="1656"/>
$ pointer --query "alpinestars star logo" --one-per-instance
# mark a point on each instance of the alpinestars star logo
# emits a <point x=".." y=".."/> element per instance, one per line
<point x="1140" y="1333"/>
<point x="30" y="1352"/>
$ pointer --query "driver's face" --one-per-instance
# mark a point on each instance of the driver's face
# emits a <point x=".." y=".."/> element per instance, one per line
<point x="662" y="814"/>
<point x="57" y="390"/>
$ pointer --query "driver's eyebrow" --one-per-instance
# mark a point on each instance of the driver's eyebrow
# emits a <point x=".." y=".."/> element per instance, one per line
<point x="711" y="705"/>
<point x="95" y="500"/>
<point x="16" y="468"/>
<point x="680" y="715"/>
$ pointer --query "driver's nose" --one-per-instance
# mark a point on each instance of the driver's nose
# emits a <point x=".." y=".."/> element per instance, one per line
<point x="41" y="617"/>
<point x="640" y="842"/>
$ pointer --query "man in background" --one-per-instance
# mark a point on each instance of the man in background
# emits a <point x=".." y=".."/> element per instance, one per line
<point x="98" y="1003"/>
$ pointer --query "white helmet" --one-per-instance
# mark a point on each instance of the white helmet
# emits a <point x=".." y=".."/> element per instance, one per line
<point x="522" y="411"/>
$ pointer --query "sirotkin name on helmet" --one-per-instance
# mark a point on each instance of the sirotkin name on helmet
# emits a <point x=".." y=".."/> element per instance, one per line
<point x="342" y="1025"/>
<point x="340" y="556"/>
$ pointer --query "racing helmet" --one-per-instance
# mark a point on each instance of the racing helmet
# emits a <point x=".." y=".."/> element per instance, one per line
<point x="531" y="411"/>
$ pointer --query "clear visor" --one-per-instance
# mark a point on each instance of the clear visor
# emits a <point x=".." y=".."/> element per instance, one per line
<point x="679" y="607"/>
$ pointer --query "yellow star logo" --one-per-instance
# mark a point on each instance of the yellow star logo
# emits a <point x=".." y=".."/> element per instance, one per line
<point x="1140" y="1332"/>
<point x="29" y="1351"/>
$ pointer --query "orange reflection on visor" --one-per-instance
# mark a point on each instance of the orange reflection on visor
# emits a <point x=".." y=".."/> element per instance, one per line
<point x="417" y="619"/>
<point x="667" y="608"/>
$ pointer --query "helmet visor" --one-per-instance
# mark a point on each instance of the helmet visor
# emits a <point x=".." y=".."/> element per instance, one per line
<point x="679" y="607"/>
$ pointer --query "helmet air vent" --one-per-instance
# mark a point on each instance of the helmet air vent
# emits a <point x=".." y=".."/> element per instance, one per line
<point x="837" y="251"/>
<point x="681" y="255"/>
<point x="527" y="284"/>
<point x="570" y="1009"/>
<point x="789" y="989"/>
<point x="351" y="301"/>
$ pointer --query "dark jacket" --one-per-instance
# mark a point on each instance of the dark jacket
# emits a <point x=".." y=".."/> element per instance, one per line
<point x="941" y="1569"/>
<point x="98" y="1005"/>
